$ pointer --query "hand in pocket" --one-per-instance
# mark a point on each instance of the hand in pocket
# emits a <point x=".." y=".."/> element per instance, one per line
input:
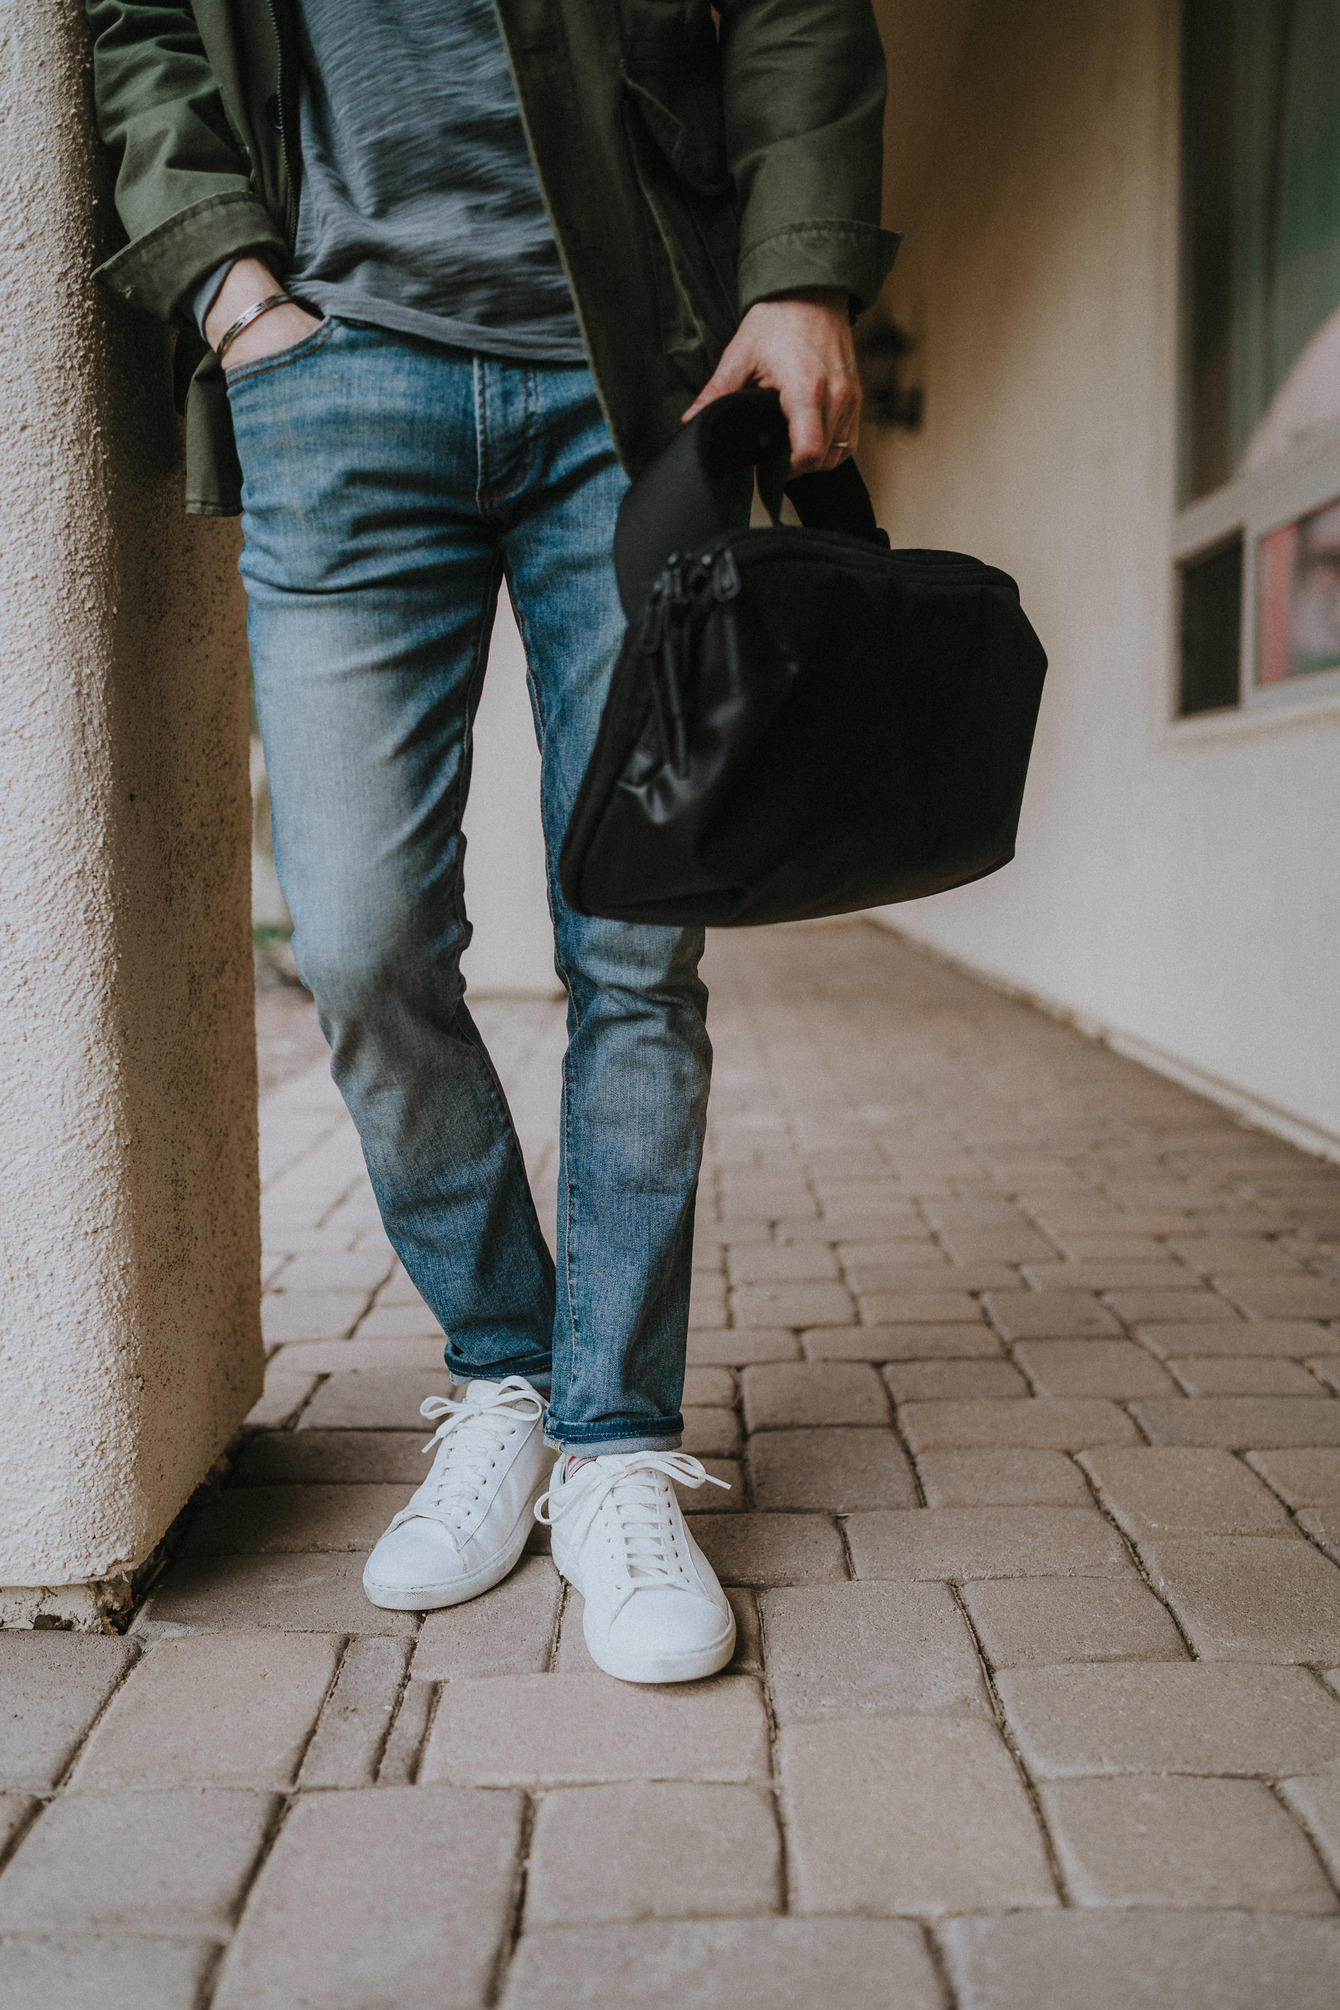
<point x="280" y="328"/>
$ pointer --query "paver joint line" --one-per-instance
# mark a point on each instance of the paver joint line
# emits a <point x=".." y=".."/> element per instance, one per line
<point x="511" y="1935"/>
<point x="1027" y="1781"/>
<point x="283" y="1804"/>
<point x="122" y="1677"/>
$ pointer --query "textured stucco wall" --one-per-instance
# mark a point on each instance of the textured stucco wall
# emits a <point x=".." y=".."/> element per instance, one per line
<point x="1176" y="884"/>
<point x="129" y="1341"/>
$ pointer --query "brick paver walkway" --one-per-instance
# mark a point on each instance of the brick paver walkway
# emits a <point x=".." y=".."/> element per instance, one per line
<point x="1024" y="1366"/>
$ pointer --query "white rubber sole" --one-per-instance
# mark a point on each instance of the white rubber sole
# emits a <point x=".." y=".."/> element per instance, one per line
<point x="434" y="1597"/>
<point x="687" y="1667"/>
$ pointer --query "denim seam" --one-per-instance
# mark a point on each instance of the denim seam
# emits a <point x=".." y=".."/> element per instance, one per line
<point x="569" y="1266"/>
<point x="488" y="496"/>
<point x="474" y="685"/>
<point x="561" y="967"/>
<point x="481" y="402"/>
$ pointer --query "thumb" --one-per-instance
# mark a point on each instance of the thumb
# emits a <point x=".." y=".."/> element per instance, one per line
<point x="732" y="373"/>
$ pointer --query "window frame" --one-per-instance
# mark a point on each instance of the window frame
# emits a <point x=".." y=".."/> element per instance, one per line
<point x="1299" y="481"/>
<point x="1249" y="506"/>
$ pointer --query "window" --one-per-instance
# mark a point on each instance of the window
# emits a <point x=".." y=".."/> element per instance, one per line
<point x="1211" y="630"/>
<point x="1298" y="595"/>
<point x="1257" y="540"/>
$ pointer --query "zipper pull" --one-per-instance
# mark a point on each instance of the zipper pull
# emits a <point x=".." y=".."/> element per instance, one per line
<point x="725" y="576"/>
<point x="677" y="736"/>
<point x="653" y="619"/>
<point x="672" y="605"/>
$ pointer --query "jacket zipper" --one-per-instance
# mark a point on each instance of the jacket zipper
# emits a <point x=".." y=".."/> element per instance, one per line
<point x="290" y="184"/>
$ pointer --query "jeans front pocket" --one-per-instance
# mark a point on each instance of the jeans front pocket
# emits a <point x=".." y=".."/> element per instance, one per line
<point x="244" y="373"/>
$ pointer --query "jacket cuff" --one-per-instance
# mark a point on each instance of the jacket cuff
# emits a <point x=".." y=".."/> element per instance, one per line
<point x="159" y="272"/>
<point x="854" y="258"/>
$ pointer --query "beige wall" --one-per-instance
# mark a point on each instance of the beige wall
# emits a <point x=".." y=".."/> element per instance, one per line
<point x="1176" y="884"/>
<point x="129" y="1342"/>
<point x="512" y="950"/>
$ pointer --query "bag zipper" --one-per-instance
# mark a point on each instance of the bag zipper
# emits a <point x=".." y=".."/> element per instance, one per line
<point x="677" y="601"/>
<point x="792" y="541"/>
<point x="666" y="622"/>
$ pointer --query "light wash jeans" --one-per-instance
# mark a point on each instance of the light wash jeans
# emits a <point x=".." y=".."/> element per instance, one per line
<point x="390" y="485"/>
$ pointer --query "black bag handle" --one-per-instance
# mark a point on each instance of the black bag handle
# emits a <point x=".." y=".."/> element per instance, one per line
<point x="692" y="491"/>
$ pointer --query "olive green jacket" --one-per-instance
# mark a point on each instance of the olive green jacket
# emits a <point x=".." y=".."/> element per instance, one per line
<point x="690" y="167"/>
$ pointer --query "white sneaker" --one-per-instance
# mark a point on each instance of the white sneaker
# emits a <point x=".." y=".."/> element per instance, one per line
<point x="654" y="1609"/>
<point x="467" y="1525"/>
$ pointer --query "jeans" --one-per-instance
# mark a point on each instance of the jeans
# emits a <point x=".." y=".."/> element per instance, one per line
<point x="390" y="484"/>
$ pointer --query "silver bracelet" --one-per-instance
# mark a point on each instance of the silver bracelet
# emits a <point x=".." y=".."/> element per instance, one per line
<point x="253" y="313"/>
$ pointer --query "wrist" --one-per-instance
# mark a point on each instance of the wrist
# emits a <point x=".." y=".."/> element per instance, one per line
<point x="248" y="280"/>
<point x="836" y="298"/>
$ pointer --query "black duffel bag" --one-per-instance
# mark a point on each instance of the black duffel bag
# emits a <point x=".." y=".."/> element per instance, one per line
<point x="801" y="721"/>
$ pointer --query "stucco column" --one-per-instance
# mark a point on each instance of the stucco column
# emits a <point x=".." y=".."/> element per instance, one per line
<point x="129" y="1328"/>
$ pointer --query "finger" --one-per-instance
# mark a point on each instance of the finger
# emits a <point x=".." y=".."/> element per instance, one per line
<point x="845" y="434"/>
<point x="841" y="398"/>
<point x="732" y="373"/>
<point x="807" y="420"/>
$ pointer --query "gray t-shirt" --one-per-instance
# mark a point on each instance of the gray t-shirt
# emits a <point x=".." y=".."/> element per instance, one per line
<point x="420" y="211"/>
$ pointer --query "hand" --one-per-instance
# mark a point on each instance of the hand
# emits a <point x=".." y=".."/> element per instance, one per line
<point x="247" y="281"/>
<point x="800" y="347"/>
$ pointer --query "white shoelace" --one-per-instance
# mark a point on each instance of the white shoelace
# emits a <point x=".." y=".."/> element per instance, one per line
<point x="474" y="1429"/>
<point x="636" y="1486"/>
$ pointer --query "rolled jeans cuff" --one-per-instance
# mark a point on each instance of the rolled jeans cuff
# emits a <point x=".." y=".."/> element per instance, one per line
<point x="536" y="1367"/>
<point x="595" y="1439"/>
